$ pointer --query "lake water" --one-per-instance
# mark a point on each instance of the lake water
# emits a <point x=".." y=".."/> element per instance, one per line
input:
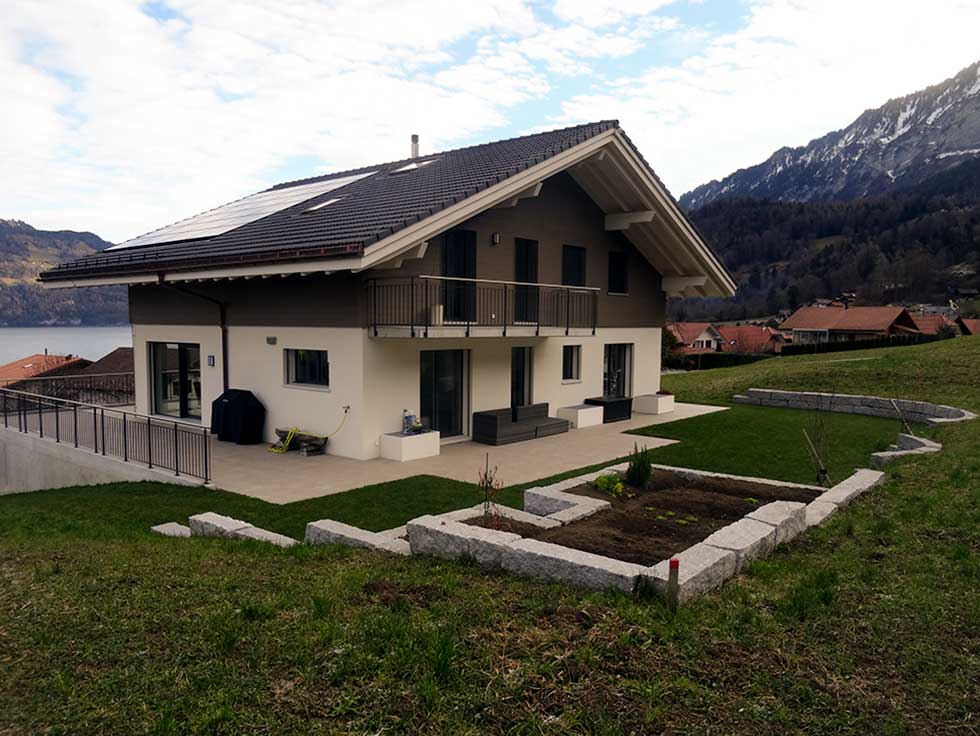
<point x="88" y="342"/>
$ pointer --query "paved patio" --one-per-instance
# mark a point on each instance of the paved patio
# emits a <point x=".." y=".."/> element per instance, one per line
<point x="253" y="471"/>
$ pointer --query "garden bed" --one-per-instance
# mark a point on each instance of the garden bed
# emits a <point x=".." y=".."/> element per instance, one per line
<point x="670" y="515"/>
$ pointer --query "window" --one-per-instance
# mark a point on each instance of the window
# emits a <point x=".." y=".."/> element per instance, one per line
<point x="573" y="265"/>
<point x="571" y="362"/>
<point x="617" y="272"/>
<point x="307" y="367"/>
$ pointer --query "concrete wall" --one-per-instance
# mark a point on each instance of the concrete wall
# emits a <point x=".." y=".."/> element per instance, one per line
<point x="29" y="463"/>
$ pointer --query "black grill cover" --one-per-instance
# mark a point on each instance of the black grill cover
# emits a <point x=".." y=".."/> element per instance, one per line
<point x="237" y="416"/>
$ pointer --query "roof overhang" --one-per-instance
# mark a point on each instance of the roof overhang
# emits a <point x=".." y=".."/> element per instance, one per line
<point x="607" y="166"/>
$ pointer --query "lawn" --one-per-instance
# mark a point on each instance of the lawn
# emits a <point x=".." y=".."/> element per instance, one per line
<point x="868" y="625"/>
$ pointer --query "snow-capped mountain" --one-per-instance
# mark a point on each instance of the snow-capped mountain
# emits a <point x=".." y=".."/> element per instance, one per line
<point x="897" y="145"/>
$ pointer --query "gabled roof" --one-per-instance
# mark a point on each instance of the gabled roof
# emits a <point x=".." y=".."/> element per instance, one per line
<point x="931" y="324"/>
<point x="688" y="332"/>
<point x="383" y="211"/>
<point x="34" y="366"/>
<point x="119" y="360"/>
<point x="854" y="319"/>
<point x="969" y="326"/>
<point x="748" y="338"/>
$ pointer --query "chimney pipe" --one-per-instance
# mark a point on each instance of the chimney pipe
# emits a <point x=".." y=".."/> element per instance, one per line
<point x="415" y="145"/>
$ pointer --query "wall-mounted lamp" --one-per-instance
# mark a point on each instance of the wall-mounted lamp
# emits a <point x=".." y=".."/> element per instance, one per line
<point x="271" y="341"/>
<point x="494" y="238"/>
<point x="210" y="361"/>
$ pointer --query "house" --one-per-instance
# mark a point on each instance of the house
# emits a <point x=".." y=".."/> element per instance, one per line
<point x="526" y="271"/>
<point x="40" y="365"/>
<point x="753" y="339"/>
<point x="930" y="323"/>
<point x="695" y="337"/>
<point x="119" y="360"/>
<point x="968" y="326"/>
<point x="811" y="325"/>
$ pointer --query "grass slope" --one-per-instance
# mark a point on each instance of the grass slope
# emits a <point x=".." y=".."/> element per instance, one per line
<point x="868" y="625"/>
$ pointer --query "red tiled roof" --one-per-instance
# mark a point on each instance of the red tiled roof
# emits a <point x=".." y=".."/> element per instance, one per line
<point x="972" y="326"/>
<point x="855" y="319"/>
<point x="930" y="324"/>
<point x="688" y="332"/>
<point x="748" y="338"/>
<point x="38" y="365"/>
<point x="119" y="360"/>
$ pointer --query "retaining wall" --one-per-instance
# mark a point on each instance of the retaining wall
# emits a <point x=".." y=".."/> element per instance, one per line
<point x="877" y="406"/>
<point x="32" y="463"/>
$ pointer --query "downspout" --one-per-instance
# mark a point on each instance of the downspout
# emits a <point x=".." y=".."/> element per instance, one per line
<point x="221" y="323"/>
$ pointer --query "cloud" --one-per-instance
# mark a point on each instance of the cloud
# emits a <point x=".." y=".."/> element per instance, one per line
<point x="796" y="70"/>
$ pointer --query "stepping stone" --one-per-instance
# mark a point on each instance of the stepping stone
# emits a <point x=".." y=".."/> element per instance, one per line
<point x="210" y="524"/>
<point x="171" y="529"/>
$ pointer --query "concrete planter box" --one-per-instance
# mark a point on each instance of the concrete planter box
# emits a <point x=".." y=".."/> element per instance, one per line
<point x="581" y="415"/>
<point x="403" y="447"/>
<point x="653" y="403"/>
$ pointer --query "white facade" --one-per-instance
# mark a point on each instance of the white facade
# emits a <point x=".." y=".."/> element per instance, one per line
<point x="380" y="377"/>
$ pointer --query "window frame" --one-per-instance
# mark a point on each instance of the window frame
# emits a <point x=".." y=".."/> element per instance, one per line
<point x="576" y="363"/>
<point x="290" y="356"/>
<point x="617" y="255"/>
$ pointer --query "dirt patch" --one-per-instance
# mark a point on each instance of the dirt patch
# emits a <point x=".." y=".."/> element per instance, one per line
<point x="504" y="524"/>
<point x="390" y="593"/>
<point x="669" y="516"/>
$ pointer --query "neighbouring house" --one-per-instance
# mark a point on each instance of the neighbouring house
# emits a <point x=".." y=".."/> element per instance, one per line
<point x="695" y="337"/>
<point x="40" y="365"/>
<point x="811" y="325"/>
<point x="753" y="339"/>
<point x="523" y="272"/>
<point x="119" y="360"/>
<point x="931" y="323"/>
<point x="968" y="326"/>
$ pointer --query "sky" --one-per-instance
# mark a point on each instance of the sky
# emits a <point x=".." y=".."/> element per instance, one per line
<point x="120" y="117"/>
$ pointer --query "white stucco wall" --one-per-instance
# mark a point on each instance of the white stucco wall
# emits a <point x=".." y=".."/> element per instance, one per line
<point x="379" y="377"/>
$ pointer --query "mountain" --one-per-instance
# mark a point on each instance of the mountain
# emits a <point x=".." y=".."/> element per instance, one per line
<point x="919" y="244"/>
<point x="898" y="145"/>
<point x="24" y="252"/>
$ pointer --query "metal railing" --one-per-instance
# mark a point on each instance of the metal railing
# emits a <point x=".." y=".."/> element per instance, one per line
<point x="105" y="389"/>
<point x="423" y="302"/>
<point x="133" y="438"/>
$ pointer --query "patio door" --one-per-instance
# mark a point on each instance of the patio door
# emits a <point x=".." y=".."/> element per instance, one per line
<point x="526" y="272"/>
<point x="459" y="262"/>
<point x="520" y="377"/>
<point x="176" y="369"/>
<point x="442" y="394"/>
<point x="617" y="370"/>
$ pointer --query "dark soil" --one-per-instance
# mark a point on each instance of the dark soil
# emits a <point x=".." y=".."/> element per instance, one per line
<point x="669" y="516"/>
<point x="503" y="524"/>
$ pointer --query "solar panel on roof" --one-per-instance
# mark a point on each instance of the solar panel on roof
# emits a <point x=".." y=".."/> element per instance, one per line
<point x="240" y="212"/>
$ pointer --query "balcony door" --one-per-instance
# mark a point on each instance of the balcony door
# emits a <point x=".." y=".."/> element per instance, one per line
<point x="442" y="390"/>
<point x="617" y="370"/>
<point x="526" y="272"/>
<point x="520" y="377"/>
<point x="459" y="262"/>
<point x="176" y="371"/>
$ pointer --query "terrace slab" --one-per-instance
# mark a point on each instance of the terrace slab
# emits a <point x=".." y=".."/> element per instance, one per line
<point x="702" y="568"/>
<point x="747" y="538"/>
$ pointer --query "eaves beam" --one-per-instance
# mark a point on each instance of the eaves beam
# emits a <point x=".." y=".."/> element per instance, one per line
<point x="622" y="220"/>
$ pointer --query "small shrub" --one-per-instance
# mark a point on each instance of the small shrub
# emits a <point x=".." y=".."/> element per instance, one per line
<point x="639" y="471"/>
<point x="489" y="486"/>
<point x="610" y="483"/>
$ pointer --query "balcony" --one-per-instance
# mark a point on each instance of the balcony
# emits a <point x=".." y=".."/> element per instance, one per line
<point x="439" y="306"/>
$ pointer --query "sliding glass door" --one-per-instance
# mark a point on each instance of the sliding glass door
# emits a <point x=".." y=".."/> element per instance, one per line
<point x="176" y="370"/>
<point x="442" y="390"/>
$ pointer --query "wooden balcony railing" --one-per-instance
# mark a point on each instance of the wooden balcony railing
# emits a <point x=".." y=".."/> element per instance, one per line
<point x="421" y="303"/>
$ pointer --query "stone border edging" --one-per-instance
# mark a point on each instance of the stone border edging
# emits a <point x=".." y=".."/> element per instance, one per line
<point x="904" y="446"/>
<point x="210" y="524"/>
<point x="877" y="406"/>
